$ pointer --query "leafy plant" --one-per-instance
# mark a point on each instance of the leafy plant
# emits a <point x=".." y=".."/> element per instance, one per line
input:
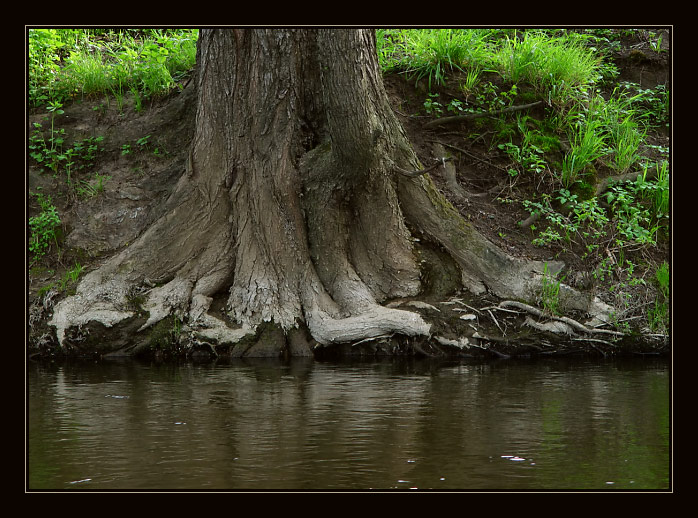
<point x="432" y="106"/>
<point x="43" y="227"/>
<point x="52" y="154"/>
<point x="46" y="49"/>
<point x="660" y="195"/>
<point x="625" y="139"/>
<point x="632" y="220"/>
<point x="143" y="141"/>
<point x="529" y="156"/>
<point x="472" y="79"/>
<point x="652" y="105"/>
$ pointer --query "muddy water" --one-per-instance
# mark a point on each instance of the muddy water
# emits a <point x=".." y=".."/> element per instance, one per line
<point x="369" y="425"/>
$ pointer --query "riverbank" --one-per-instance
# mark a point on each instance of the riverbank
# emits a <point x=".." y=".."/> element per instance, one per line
<point x="127" y="157"/>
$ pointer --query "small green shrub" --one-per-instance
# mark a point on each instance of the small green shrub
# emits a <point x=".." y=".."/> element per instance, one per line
<point x="52" y="154"/>
<point x="43" y="227"/>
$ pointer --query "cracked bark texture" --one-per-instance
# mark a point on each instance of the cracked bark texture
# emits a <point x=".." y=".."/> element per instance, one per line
<point x="290" y="203"/>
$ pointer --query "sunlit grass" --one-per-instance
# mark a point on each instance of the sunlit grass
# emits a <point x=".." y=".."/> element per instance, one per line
<point x="432" y="54"/>
<point x="558" y="67"/>
<point x="65" y="63"/>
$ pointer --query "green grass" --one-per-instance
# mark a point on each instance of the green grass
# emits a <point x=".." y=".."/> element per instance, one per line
<point x="587" y="144"/>
<point x="69" y="63"/>
<point x="432" y="54"/>
<point x="550" y="292"/>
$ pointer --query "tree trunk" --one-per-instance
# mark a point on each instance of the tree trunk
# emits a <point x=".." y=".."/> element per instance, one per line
<point x="293" y="203"/>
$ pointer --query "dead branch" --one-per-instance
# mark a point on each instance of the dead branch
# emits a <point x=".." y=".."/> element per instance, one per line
<point x="460" y="118"/>
<point x="412" y="174"/>
<point x="496" y="323"/>
<point x="475" y="157"/>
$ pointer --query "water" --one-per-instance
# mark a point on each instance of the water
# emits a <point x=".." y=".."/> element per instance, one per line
<point x="378" y="425"/>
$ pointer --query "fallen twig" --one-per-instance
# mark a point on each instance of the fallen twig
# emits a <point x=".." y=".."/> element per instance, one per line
<point x="496" y="323"/>
<point x="412" y="174"/>
<point x="370" y="339"/>
<point x="501" y="309"/>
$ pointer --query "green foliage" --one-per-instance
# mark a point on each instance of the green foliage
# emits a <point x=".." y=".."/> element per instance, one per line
<point x="550" y="292"/>
<point x="431" y="53"/>
<point x="42" y="227"/>
<point x="653" y="105"/>
<point x="529" y="155"/>
<point x="432" y="106"/>
<point x="51" y="153"/>
<point x="619" y="122"/>
<point x="659" y="313"/>
<point x="559" y="67"/>
<point x="71" y="277"/>
<point x="587" y="143"/>
<point x="87" y="189"/>
<point x="46" y="49"/>
<point x="65" y="63"/>
<point x="584" y="220"/>
<point x="641" y="207"/>
<point x="659" y="191"/>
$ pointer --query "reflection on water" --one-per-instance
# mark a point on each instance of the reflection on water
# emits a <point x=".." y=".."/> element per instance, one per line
<point x="362" y="425"/>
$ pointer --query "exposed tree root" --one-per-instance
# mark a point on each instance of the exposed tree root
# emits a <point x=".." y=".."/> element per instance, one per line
<point x="376" y="322"/>
<point x="566" y="320"/>
<point x="606" y="183"/>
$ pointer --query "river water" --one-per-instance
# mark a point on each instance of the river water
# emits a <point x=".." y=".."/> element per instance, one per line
<point x="371" y="425"/>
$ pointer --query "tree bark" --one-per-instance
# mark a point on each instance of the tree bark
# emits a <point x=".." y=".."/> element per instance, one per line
<point x="292" y="203"/>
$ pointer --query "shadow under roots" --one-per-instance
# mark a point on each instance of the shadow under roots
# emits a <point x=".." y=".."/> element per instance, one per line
<point x="270" y="341"/>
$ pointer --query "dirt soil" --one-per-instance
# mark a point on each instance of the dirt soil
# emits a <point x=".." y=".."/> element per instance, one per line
<point x="138" y="181"/>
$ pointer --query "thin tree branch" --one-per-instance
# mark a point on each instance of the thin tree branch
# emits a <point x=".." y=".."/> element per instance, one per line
<point x="412" y="174"/>
<point x="460" y="118"/>
<point x="537" y="312"/>
<point x="475" y="157"/>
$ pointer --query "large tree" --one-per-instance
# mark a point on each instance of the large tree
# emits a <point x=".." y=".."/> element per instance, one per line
<point x="302" y="200"/>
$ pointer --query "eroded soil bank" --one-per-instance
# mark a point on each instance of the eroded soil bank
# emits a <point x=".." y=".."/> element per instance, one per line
<point x="144" y="152"/>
